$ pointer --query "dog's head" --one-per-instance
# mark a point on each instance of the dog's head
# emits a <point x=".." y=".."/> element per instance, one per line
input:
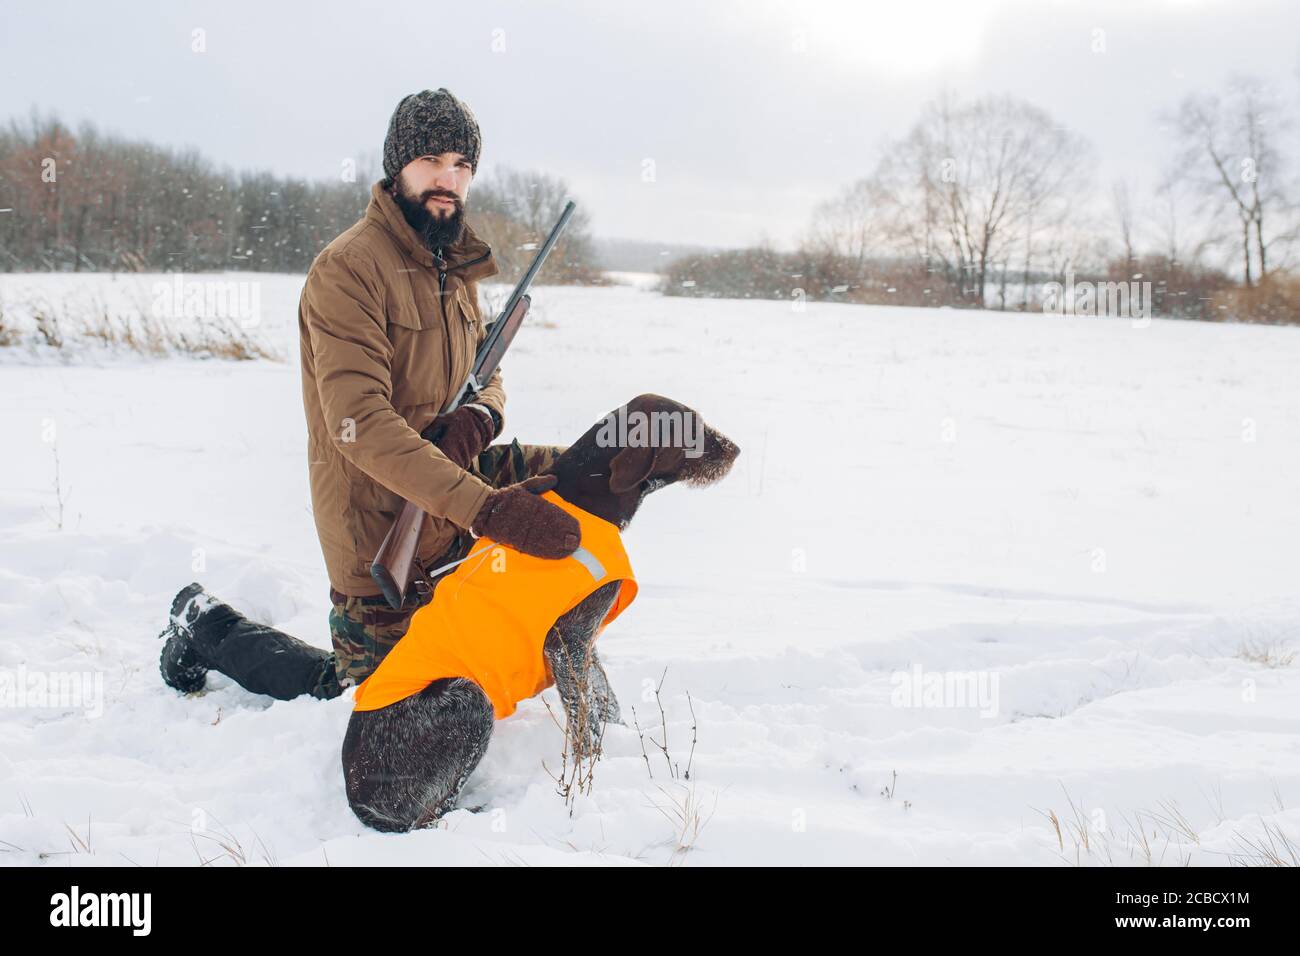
<point x="637" y="449"/>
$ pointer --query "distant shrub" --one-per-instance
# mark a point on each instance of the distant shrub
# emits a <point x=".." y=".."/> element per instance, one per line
<point x="1178" y="291"/>
<point x="1274" y="300"/>
<point x="764" y="273"/>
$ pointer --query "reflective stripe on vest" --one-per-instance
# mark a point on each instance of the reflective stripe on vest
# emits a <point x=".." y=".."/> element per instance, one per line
<point x="489" y="618"/>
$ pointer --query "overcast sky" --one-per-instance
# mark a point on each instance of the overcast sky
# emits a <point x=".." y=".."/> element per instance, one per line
<point x="751" y="112"/>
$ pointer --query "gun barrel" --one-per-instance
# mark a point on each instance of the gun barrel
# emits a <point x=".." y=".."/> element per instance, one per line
<point x="520" y="290"/>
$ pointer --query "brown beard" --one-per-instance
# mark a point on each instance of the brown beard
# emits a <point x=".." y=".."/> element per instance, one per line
<point x="436" y="232"/>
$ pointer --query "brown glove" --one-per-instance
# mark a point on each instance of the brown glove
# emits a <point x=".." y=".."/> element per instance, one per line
<point x="517" y="517"/>
<point x="460" y="435"/>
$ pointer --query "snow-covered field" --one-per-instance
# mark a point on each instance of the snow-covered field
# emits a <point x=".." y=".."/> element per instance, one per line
<point x="1093" y="527"/>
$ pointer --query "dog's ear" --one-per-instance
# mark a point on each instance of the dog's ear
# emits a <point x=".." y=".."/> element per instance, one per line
<point x="633" y="465"/>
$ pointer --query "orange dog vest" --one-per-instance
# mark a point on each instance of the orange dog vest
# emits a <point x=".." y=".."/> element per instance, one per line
<point x="489" y="618"/>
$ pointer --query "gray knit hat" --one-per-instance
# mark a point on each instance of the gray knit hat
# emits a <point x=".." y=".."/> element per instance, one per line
<point x="429" y="123"/>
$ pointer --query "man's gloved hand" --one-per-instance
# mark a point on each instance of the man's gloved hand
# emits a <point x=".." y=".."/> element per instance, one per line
<point x="517" y="517"/>
<point x="460" y="435"/>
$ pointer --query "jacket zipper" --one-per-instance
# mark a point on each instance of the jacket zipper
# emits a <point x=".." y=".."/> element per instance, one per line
<point x="442" y="280"/>
<point x="442" y="300"/>
<point x="442" y="308"/>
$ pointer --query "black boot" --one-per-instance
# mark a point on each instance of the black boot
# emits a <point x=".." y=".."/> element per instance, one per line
<point x="180" y="666"/>
<point x="205" y="634"/>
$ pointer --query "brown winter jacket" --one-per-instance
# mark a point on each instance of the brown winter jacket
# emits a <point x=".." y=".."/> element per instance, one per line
<point x="386" y="337"/>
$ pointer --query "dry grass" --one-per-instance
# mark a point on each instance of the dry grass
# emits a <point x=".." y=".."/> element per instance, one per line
<point x="1267" y="653"/>
<point x="1163" y="836"/>
<point x="1147" y="840"/>
<point x="674" y="768"/>
<point x="66" y="329"/>
<point x="229" y="847"/>
<point x="226" y="843"/>
<point x="9" y="336"/>
<point x="684" y="811"/>
<point x="1272" y="848"/>
<point x="683" y="807"/>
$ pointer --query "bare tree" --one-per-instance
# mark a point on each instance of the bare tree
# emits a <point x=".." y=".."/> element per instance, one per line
<point x="1122" y="203"/>
<point x="1014" y="167"/>
<point x="965" y="197"/>
<point x="514" y="211"/>
<point x="850" y="225"/>
<point x="1232" y="142"/>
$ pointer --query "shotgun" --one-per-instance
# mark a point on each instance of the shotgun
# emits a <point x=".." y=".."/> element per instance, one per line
<point x="391" y="567"/>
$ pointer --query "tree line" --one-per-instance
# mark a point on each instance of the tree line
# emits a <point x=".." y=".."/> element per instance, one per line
<point x="982" y="203"/>
<point x="87" y="201"/>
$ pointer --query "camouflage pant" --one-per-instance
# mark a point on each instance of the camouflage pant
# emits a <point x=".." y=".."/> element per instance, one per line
<point x="365" y="629"/>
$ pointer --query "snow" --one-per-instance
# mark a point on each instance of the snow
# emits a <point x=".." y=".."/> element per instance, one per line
<point x="1090" y="522"/>
<point x="648" y="281"/>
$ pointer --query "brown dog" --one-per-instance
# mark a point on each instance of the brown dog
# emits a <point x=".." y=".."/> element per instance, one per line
<point x="405" y="764"/>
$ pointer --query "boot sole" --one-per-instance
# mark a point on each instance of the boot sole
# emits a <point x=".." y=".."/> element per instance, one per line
<point x="186" y="679"/>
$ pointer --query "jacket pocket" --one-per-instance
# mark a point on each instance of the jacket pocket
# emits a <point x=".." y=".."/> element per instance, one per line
<point x="367" y="494"/>
<point x="421" y="354"/>
<point x="469" y="329"/>
<point x="368" y="529"/>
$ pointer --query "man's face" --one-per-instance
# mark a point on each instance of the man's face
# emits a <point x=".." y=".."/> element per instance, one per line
<point x="431" y="192"/>
<point x="440" y="182"/>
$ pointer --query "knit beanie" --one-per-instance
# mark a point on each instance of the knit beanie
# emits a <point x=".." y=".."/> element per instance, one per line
<point x="429" y="123"/>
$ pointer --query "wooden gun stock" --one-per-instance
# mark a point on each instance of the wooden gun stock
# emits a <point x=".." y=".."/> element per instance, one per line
<point x="391" y="568"/>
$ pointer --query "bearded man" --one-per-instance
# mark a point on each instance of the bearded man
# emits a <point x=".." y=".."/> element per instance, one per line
<point x="389" y="323"/>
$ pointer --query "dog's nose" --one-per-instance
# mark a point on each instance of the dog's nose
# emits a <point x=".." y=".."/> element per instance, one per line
<point x="720" y="452"/>
<point x="727" y="449"/>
